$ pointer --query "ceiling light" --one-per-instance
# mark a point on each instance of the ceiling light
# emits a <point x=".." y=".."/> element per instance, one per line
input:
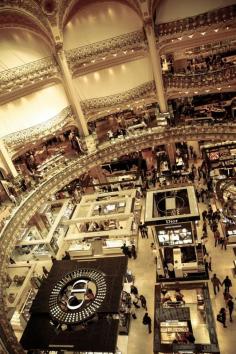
<point x="84" y="64"/>
<point x="172" y="40"/>
<point x="180" y="38"/>
<point x="114" y="55"/>
<point x="104" y="58"/>
<point x="229" y="86"/>
<point x="207" y="90"/>
<point x="186" y="92"/>
<point x="125" y="51"/>
<point x="218" y="88"/>
<point x="132" y="50"/>
<point x="93" y="61"/>
<point x="227" y="27"/>
<point x="190" y="36"/>
<point x="216" y="30"/>
<point x="195" y="92"/>
<point x="203" y="33"/>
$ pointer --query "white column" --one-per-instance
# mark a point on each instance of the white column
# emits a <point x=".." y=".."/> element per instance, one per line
<point x="156" y="65"/>
<point x="6" y="162"/>
<point x="71" y="94"/>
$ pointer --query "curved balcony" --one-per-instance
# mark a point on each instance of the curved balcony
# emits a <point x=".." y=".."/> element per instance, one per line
<point x="18" y="140"/>
<point x="33" y="201"/>
<point x="186" y="81"/>
<point x="27" y="76"/>
<point x="93" y="105"/>
<point x="110" y="49"/>
<point x="216" y="17"/>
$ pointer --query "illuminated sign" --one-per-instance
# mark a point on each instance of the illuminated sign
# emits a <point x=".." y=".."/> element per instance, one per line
<point x="77" y="296"/>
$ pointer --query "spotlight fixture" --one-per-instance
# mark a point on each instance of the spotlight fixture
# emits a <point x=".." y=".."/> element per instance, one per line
<point x="180" y="38"/>
<point x="216" y="30"/>
<point x="203" y="33"/>
<point x="190" y="36"/>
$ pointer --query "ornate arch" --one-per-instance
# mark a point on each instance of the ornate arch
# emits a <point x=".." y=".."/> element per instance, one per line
<point x="66" y="10"/>
<point x="18" y="18"/>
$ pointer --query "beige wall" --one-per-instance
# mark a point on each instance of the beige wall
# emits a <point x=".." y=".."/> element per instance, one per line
<point x="32" y="109"/>
<point x="19" y="47"/>
<point x="99" y="21"/>
<point x="168" y="11"/>
<point x="114" y="80"/>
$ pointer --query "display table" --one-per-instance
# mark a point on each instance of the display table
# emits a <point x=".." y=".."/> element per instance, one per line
<point x="114" y="246"/>
<point x="80" y="249"/>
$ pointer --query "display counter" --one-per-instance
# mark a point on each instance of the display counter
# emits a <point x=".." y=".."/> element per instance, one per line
<point x="184" y="320"/>
<point x="114" y="246"/>
<point x="170" y="235"/>
<point x="32" y="246"/>
<point x="80" y="249"/>
<point x="18" y="283"/>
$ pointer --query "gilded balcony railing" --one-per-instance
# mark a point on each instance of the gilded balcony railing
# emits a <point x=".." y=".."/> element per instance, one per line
<point x="28" y="74"/>
<point x="78" y="56"/>
<point x="210" y="18"/>
<point x="15" y="141"/>
<point x="144" y="90"/>
<point x="210" y="78"/>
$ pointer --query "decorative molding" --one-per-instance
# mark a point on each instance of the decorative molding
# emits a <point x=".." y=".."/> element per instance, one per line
<point x="21" y="138"/>
<point x="32" y="202"/>
<point x="28" y="74"/>
<point x="144" y="90"/>
<point x="215" y="17"/>
<point x="32" y="10"/>
<point x="207" y="79"/>
<point x="78" y="56"/>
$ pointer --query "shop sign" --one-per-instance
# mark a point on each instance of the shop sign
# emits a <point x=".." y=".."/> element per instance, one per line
<point x="68" y="302"/>
<point x="174" y="221"/>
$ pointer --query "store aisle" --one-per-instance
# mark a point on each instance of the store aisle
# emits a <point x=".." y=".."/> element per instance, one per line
<point x="139" y="341"/>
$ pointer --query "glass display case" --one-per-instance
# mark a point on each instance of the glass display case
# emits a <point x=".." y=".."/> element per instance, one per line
<point x="180" y="234"/>
<point x="170" y="329"/>
<point x="78" y="249"/>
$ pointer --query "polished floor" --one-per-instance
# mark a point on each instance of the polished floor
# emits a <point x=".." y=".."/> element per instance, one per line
<point x="139" y="341"/>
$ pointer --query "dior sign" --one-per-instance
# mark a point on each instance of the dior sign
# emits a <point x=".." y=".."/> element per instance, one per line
<point x="77" y="296"/>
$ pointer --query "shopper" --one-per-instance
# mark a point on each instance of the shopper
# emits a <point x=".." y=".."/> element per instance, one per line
<point x="134" y="290"/>
<point x="217" y="237"/>
<point x="45" y="271"/>
<point x="143" y="302"/>
<point x="147" y="322"/>
<point x="179" y="296"/>
<point x="145" y="231"/>
<point x="227" y="296"/>
<point x="171" y="269"/>
<point x="227" y="283"/>
<point x="133" y="252"/>
<point x="216" y="283"/>
<point x="230" y="305"/>
<point x="207" y="262"/>
<point x="221" y="317"/>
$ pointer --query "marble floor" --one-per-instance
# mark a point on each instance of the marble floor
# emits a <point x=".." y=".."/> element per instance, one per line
<point x="139" y="341"/>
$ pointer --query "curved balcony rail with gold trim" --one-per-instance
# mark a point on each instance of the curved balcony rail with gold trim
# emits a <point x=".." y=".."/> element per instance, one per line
<point x="77" y="57"/>
<point x="94" y="104"/>
<point x="34" y="200"/>
<point x="28" y="75"/>
<point x="215" y="17"/>
<point x="210" y="78"/>
<point x="15" y="141"/>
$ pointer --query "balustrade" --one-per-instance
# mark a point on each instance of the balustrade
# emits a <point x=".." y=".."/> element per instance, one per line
<point x="184" y="81"/>
<point x="192" y="23"/>
<point x="15" y="140"/>
<point x="78" y="56"/>
<point x="28" y="74"/>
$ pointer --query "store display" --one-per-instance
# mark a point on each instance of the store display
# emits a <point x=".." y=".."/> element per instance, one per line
<point x="124" y="314"/>
<point x="179" y="234"/>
